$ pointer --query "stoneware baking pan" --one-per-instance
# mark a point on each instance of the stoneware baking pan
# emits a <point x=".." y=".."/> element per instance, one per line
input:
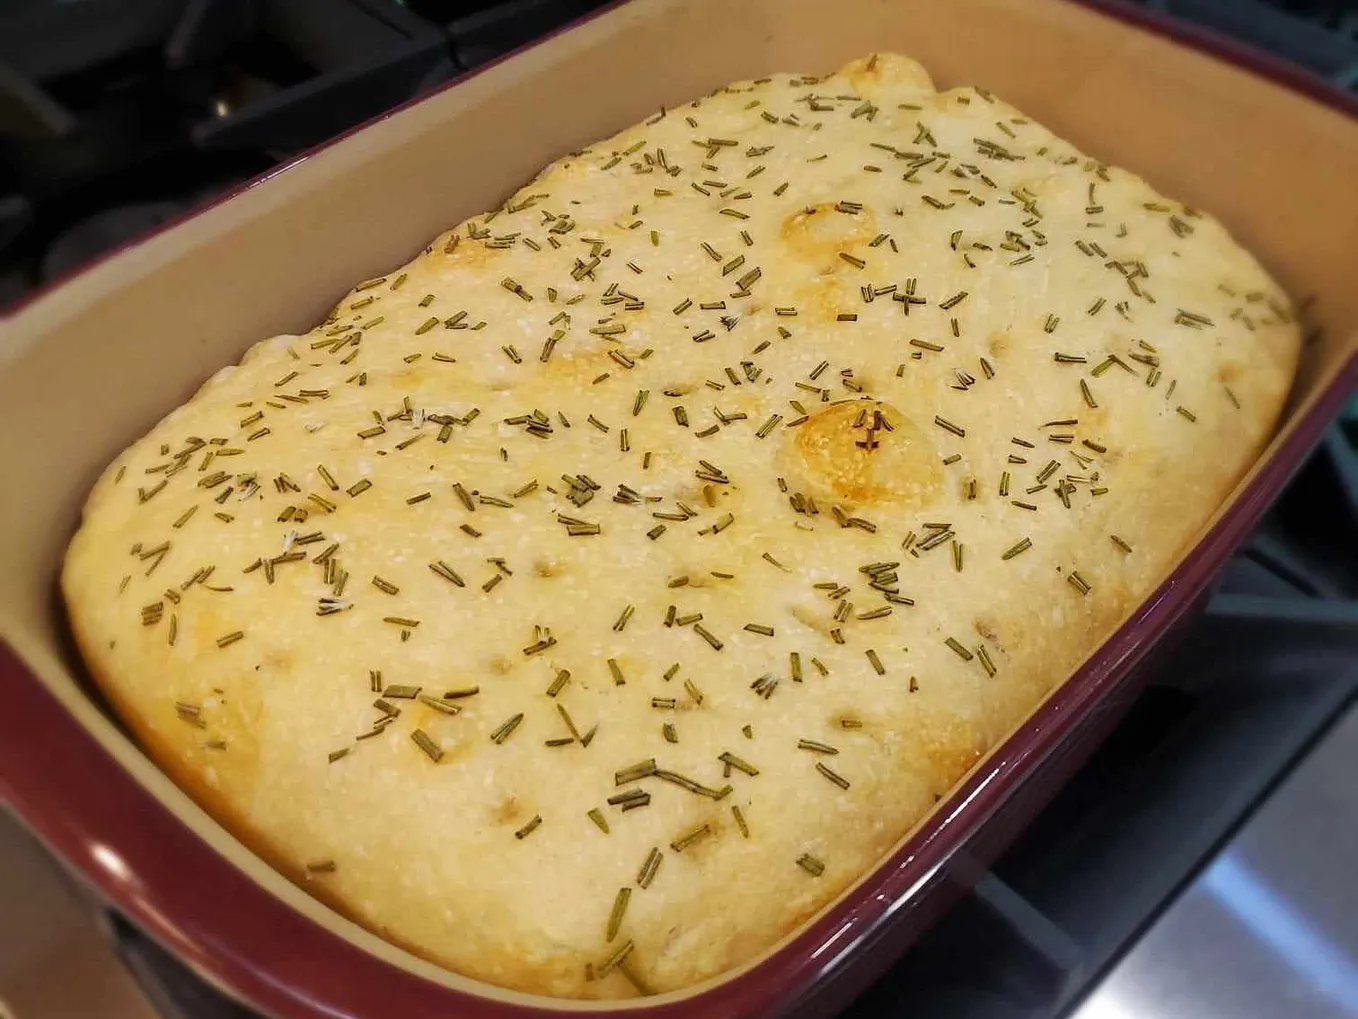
<point x="89" y="365"/>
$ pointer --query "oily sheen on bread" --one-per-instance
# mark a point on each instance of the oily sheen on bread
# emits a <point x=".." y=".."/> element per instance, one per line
<point x="588" y="602"/>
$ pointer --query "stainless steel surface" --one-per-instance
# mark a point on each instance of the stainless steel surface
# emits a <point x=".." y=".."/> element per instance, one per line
<point x="1270" y="927"/>
<point x="55" y="958"/>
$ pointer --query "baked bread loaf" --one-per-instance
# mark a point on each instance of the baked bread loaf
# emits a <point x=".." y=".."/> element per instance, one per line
<point x="588" y="602"/>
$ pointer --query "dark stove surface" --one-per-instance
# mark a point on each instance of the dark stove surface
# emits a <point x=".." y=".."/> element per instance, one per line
<point x="117" y="114"/>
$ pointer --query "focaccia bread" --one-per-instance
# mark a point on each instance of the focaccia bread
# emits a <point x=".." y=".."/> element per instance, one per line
<point x="588" y="602"/>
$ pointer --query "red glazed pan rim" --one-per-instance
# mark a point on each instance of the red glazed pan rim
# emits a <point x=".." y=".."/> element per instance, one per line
<point x="142" y="858"/>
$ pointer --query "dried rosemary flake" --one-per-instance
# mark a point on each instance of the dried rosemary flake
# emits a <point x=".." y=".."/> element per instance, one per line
<point x="811" y="865"/>
<point x="687" y="784"/>
<point x="506" y="728"/>
<point x="832" y="775"/>
<point x="983" y="656"/>
<point x="635" y="772"/>
<point x="693" y="835"/>
<point x="562" y="678"/>
<point x="438" y="705"/>
<point x="739" y="764"/>
<point x="630" y="800"/>
<point x="529" y="828"/>
<point x="768" y="426"/>
<point x="739" y="816"/>
<point x="447" y="573"/>
<point x="816" y="746"/>
<point x="616" y="914"/>
<point x="425" y="743"/>
<point x="706" y="635"/>
<point x="959" y="649"/>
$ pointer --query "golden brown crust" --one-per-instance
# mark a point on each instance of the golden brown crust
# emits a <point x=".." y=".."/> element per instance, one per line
<point x="976" y="398"/>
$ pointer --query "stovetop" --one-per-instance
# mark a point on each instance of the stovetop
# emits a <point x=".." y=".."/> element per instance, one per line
<point x="1180" y="841"/>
